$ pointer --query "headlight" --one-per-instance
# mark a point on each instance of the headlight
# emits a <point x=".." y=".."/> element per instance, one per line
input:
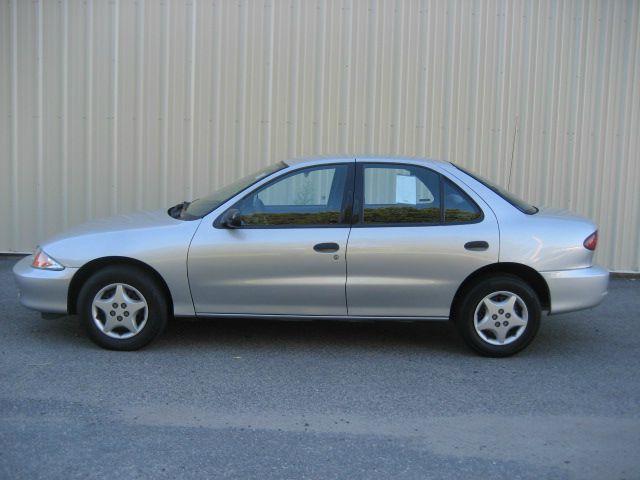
<point x="44" y="261"/>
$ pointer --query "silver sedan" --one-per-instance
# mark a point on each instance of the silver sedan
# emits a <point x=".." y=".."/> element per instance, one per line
<point x="328" y="238"/>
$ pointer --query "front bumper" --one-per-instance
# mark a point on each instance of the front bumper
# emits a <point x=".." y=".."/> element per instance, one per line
<point x="577" y="289"/>
<point x="43" y="290"/>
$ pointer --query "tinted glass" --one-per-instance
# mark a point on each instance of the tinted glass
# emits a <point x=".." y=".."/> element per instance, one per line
<point x="395" y="195"/>
<point x="517" y="202"/>
<point x="458" y="207"/>
<point x="311" y="197"/>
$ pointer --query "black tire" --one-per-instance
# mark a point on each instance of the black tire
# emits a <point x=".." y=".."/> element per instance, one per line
<point x="466" y="311"/>
<point x="157" y="311"/>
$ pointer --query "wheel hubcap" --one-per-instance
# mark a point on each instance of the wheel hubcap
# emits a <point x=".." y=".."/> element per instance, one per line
<point x="501" y="318"/>
<point x="119" y="311"/>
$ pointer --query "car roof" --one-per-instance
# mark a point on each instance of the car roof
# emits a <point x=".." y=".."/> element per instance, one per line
<point x="320" y="160"/>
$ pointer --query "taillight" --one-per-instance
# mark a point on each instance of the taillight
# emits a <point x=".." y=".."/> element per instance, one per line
<point x="591" y="241"/>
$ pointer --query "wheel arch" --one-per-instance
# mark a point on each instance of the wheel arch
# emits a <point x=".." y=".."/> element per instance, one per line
<point x="89" y="268"/>
<point x="525" y="273"/>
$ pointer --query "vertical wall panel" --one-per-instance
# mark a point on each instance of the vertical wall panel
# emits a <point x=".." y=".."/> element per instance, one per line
<point x="114" y="105"/>
<point x="7" y="119"/>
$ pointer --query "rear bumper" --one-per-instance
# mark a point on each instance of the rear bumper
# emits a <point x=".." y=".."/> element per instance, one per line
<point x="43" y="290"/>
<point x="577" y="289"/>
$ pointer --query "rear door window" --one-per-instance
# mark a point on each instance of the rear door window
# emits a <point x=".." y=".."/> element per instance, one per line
<point x="400" y="195"/>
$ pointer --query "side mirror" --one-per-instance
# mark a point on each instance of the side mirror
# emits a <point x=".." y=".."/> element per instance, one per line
<point x="231" y="218"/>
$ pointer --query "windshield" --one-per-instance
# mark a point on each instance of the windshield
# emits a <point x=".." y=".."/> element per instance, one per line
<point x="202" y="206"/>
<point x="517" y="202"/>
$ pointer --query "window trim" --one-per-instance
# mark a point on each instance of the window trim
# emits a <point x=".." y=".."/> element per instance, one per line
<point x="345" y="211"/>
<point x="358" y="203"/>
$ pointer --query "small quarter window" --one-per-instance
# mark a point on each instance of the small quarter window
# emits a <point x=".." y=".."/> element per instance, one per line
<point x="458" y="207"/>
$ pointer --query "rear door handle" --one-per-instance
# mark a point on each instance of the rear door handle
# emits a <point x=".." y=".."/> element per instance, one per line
<point x="326" y="247"/>
<point x="476" y="246"/>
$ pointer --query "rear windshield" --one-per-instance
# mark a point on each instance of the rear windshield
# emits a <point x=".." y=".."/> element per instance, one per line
<point x="517" y="202"/>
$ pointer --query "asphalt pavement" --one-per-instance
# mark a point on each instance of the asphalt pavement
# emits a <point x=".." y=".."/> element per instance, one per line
<point x="252" y="399"/>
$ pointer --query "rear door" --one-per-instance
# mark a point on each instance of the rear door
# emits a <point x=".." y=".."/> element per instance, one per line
<point x="416" y="236"/>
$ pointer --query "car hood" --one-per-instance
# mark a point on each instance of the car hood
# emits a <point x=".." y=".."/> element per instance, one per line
<point x="136" y="235"/>
<point x="119" y="223"/>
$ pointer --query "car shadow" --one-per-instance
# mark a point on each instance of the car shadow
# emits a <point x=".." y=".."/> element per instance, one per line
<point x="184" y="333"/>
<point x="299" y="334"/>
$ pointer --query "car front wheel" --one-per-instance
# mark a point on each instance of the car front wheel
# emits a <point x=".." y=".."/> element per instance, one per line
<point x="122" y="308"/>
<point x="499" y="316"/>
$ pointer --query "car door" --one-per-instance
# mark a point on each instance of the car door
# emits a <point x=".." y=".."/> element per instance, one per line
<point x="287" y="256"/>
<point x="416" y="236"/>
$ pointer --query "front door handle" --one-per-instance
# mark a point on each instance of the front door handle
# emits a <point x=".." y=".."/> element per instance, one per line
<point x="477" y="246"/>
<point x="326" y="247"/>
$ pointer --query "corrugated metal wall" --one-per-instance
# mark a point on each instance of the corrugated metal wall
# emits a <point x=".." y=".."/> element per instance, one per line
<point x="109" y="106"/>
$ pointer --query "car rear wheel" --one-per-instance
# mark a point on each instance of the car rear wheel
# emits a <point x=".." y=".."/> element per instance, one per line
<point x="499" y="316"/>
<point x="122" y="308"/>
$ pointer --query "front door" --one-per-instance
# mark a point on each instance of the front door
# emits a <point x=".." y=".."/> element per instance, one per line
<point x="409" y="247"/>
<point x="287" y="257"/>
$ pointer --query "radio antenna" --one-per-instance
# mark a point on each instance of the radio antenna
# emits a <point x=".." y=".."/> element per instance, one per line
<point x="513" y="150"/>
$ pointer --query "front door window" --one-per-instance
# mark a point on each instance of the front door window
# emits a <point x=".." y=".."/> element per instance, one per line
<point x="311" y="197"/>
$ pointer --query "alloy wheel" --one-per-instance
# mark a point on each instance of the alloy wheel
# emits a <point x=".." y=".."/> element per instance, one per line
<point x="119" y="311"/>
<point x="501" y="318"/>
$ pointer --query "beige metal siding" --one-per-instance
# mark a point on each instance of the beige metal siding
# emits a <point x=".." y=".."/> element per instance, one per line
<point x="110" y="106"/>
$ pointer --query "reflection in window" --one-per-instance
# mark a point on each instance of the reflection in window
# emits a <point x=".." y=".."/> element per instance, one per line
<point x="291" y="218"/>
<point x="400" y="214"/>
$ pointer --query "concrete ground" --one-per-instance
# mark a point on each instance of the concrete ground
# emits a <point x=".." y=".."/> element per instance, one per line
<point x="279" y="400"/>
